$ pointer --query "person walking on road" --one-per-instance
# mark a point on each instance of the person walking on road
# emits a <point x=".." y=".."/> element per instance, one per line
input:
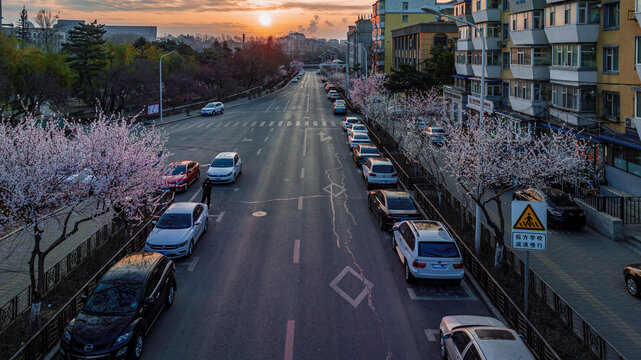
<point x="207" y="185"/>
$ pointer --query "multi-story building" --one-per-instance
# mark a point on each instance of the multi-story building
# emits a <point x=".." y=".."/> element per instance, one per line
<point x="359" y="37"/>
<point x="558" y="64"/>
<point x="388" y="15"/>
<point x="412" y="44"/>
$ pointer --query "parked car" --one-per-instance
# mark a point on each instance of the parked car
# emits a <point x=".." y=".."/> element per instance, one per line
<point x="225" y="168"/>
<point x="339" y="108"/>
<point x="295" y="80"/>
<point x="392" y="206"/>
<point x="331" y="93"/>
<point x="121" y="310"/>
<point x="356" y="128"/>
<point x="562" y="210"/>
<point x="437" y="135"/>
<point x="358" y="139"/>
<point x="329" y="87"/>
<point x="427" y="251"/>
<point x="335" y="96"/>
<point x="480" y="338"/>
<point x="323" y="79"/>
<point x="179" y="175"/>
<point x="318" y="71"/>
<point x="361" y="153"/>
<point x="213" y="108"/>
<point x="379" y="172"/>
<point x="632" y="276"/>
<point x="340" y="101"/>
<point x="349" y="121"/>
<point x="178" y="229"/>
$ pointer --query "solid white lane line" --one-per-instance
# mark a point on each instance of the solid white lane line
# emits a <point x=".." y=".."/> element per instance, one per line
<point x="193" y="197"/>
<point x="270" y="105"/>
<point x="259" y="150"/>
<point x="289" y="340"/>
<point x="302" y="173"/>
<point x="305" y="142"/>
<point x="193" y="263"/>
<point x="290" y="99"/>
<point x="220" y="216"/>
<point x="296" y="251"/>
<point x="266" y="138"/>
<point x="300" y="203"/>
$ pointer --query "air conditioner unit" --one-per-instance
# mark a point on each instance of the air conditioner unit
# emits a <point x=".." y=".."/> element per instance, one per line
<point x="629" y="122"/>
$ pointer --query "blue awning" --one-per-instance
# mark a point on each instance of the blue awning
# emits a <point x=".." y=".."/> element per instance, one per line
<point x="460" y="76"/>
<point x="621" y="141"/>
<point x="575" y="133"/>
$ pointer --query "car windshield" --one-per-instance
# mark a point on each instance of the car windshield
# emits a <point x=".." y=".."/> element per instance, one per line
<point x="560" y="199"/>
<point x="360" y="137"/>
<point x="369" y="150"/>
<point x="177" y="170"/>
<point x="352" y="121"/>
<point x="438" y="131"/>
<point x="437" y="249"/>
<point x="384" y="169"/>
<point x="114" y="298"/>
<point x="494" y="334"/>
<point x="174" y="221"/>
<point x="359" y="128"/>
<point x="222" y="162"/>
<point x="400" y="203"/>
<point x="210" y="105"/>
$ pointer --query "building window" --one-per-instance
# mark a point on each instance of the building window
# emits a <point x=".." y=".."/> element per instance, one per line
<point x="551" y="16"/>
<point x="637" y="110"/>
<point x="626" y="159"/>
<point x="440" y="40"/>
<point x="610" y="59"/>
<point x="611" y="16"/>
<point x="567" y="14"/>
<point x="525" y="21"/>
<point x="506" y="5"/>
<point x="506" y="31"/>
<point x="588" y="55"/>
<point x="638" y="50"/>
<point x="506" y="60"/>
<point x="406" y="5"/>
<point x="405" y="18"/>
<point x="478" y="5"/>
<point x="610" y="102"/>
<point x="537" y="22"/>
<point x="513" y="22"/>
<point x="506" y="89"/>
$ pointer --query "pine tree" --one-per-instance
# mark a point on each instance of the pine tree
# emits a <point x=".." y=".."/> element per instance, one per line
<point x="86" y="53"/>
<point x="23" y="26"/>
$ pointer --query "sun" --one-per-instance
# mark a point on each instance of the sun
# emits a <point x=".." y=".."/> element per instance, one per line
<point x="265" y="19"/>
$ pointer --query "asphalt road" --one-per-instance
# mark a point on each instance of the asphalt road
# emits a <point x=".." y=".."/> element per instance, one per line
<point x="296" y="222"/>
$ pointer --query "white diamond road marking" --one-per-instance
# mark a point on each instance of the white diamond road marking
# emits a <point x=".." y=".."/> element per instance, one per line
<point x="470" y="295"/>
<point x="361" y="296"/>
<point x="330" y="189"/>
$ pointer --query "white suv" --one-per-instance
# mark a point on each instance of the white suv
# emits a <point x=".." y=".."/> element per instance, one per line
<point x="379" y="172"/>
<point x="225" y="168"/>
<point x="213" y="108"/>
<point x="427" y="250"/>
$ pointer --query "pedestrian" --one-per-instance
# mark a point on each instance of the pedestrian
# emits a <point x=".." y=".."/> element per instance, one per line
<point x="207" y="185"/>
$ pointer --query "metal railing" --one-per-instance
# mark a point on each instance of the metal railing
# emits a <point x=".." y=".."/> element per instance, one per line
<point x="628" y="209"/>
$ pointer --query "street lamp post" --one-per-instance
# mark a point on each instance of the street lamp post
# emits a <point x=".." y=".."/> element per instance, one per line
<point x="346" y="70"/>
<point x="169" y="53"/>
<point x="430" y="10"/>
<point x="364" y="53"/>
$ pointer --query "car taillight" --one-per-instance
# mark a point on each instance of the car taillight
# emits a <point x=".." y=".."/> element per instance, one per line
<point x="371" y="174"/>
<point x="394" y="174"/>
<point x="458" y="266"/>
<point x="418" y="265"/>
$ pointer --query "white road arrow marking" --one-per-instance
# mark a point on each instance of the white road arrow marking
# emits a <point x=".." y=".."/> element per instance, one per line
<point x="323" y="137"/>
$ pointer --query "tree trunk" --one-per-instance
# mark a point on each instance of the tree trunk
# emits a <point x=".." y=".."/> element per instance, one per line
<point x="498" y="254"/>
<point x="36" y="284"/>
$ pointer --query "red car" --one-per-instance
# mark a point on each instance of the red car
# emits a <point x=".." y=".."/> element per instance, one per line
<point x="179" y="175"/>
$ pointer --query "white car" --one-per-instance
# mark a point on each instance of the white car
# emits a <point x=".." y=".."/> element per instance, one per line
<point x="358" y="139"/>
<point x="295" y="80"/>
<point x="225" y="168"/>
<point x="436" y="135"/>
<point x="340" y="102"/>
<point x="379" y="172"/>
<point x="357" y="128"/>
<point x="178" y="229"/>
<point x="427" y="251"/>
<point x="331" y="93"/>
<point x="213" y="108"/>
<point x="480" y="337"/>
<point x="349" y="121"/>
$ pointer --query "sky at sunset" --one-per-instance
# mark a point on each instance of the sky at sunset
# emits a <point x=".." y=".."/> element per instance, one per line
<point x="321" y="19"/>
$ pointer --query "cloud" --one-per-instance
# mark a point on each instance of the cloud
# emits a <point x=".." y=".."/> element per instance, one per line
<point x="313" y="25"/>
<point x="329" y="23"/>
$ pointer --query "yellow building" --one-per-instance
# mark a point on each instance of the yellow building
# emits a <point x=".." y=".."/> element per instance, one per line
<point x="412" y="44"/>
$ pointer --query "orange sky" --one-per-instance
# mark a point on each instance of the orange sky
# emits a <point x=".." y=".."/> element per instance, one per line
<point x="316" y="18"/>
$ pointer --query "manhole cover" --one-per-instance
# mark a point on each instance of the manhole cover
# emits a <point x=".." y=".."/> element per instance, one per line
<point x="259" y="214"/>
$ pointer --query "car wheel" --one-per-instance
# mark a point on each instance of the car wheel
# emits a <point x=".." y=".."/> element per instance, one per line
<point x="198" y="175"/>
<point x="171" y="293"/>
<point x="222" y="111"/>
<point x="632" y="285"/>
<point x="186" y="186"/>
<point x="206" y="225"/>
<point x="234" y="179"/>
<point x="443" y="350"/>
<point x="409" y="278"/>
<point x="381" y="222"/>
<point x="369" y="186"/>
<point x="393" y="243"/>
<point x="191" y="248"/>
<point x="136" y="350"/>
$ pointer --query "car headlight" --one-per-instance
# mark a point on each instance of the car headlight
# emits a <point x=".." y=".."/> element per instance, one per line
<point x="183" y="243"/>
<point x="555" y="213"/>
<point x="229" y="173"/>
<point x="180" y="182"/>
<point x="123" y="338"/>
<point x="67" y="334"/>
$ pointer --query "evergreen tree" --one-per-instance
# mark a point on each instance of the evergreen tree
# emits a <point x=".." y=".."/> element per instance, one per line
<point x="441" y="64"/>
<point x="87" y="55"/>
<point x="23" y="26"/>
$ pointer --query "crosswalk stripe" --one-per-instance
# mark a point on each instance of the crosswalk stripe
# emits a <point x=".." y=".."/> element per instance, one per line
<point x="289" y="123"/>
<point x="306" y="123"/>
<point x="254" y="123"/>
<point x="262" y="123"/>
<point x="236" y="124"/>
<point x="210" y="125"/>
<point x="227" y="124"/>
<point x="271" y="123"/>
<point x="280" y="123"/>
<point x="297" y="123"/>
<point x="324" y="123"/>
<point x="315" y="123"/>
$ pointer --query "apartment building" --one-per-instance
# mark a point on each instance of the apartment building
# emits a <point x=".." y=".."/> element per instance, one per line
<point x="359" y="37"/>
<point x="558" y="64"/>
<point x="412" y="44"/>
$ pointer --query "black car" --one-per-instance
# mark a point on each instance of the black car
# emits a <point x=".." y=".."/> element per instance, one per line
<point x="392" y="206"/>
<point x="562" y="210"/>
<point x="122" y="308"/>
<point x="632" y="276"/>
<point x="361" y="153"/>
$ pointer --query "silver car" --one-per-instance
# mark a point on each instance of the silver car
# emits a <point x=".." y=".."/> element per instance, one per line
<point x="225" y="168"/>
<point x="178" y="229"/>
<point x="213" y="108"/>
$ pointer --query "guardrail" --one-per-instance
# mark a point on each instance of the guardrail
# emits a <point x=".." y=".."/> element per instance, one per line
<point x="625" y="208"/>
<point x="49" y="334"/>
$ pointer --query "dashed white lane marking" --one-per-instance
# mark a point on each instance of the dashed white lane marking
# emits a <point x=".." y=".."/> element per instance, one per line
<point x="193" y="263"/>
<point x="259" y="150"/>
<point x="296" y="251"/>
<point x="305" y="142"/>
<point x="235" y="149"/>
<point x="289" y="340"/>
<point x="431" y="334"/>
<point x="302" y="173"/>
<point x="300" y="203"/>
<point x="266" y="138"/>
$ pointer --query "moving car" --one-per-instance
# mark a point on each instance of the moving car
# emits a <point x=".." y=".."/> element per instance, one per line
<point x="179" y="175"/>
<point x="178" y="229"/>
<point x="562" y="210"/>
<point x="339" y="109"/>
<point x="480" y="338"/>
<point x="379" y="172"/>
<point x="358" y="139"/>
<point x="225" y="168"/>
<point x="349" y="121"/>
<point x="392" y="206"/>
<point x="213" y="108"/>
<point x="427" y="251"/>
<point x="436" y="135"/>
<point x="356" y="128"/>
<point x="361" y="153"/>
<point x="121" y="310"/>
<point x="632" y="276"/>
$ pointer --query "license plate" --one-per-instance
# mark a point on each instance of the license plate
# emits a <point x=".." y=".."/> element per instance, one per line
<point x="384" y="181"/>
<point x="162" y="252"/>
<point x="439" y="266"/>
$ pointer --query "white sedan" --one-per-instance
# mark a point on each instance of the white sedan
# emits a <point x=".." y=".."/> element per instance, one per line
<point x="359" y="138"/>
<point x="178" y="229"/>
<point x="356" y="128"/>
<point x="225" y="168"/>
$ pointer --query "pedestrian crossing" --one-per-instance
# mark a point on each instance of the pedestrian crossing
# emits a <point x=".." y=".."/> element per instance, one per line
<point x="250" y="124"/>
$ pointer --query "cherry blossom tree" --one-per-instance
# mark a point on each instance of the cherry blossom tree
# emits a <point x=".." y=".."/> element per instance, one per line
<point x="364" y="90"/>
<point x="81" y="172"/>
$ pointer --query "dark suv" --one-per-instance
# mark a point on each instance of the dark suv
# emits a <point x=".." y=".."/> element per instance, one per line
<point x="122" y="308"/>
<point x="562" y="210"/>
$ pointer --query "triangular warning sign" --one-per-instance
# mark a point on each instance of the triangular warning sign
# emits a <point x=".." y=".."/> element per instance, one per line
<point x="528" y="220"/>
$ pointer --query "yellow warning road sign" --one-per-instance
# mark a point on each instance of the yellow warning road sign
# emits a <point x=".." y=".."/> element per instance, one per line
<point x="528" y="220"/>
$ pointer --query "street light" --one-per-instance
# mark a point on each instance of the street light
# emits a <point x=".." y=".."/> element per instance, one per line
<point x="346" y="69"/>
<point x="433" y="11"/>
<point x="169" y="53"/>
<point x="364" y="53"/>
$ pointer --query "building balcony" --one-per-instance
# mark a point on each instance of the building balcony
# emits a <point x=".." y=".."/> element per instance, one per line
<point x="529" y="107"/>
<point x="486" y="15"/>
<point x="573" y="118"/>
<point x="554" y="1"/>
<point x="492" y="43"/>
<point x="464" y="45"/>
<point x="491" y="71"/>
<point x="530" y="72"/>
<point x="529" y="37"/>
<point x="518" y="6"/>
<point x="464" y="69"/>
<point x="585" y="33"/>
<point x="572" y="75"/>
